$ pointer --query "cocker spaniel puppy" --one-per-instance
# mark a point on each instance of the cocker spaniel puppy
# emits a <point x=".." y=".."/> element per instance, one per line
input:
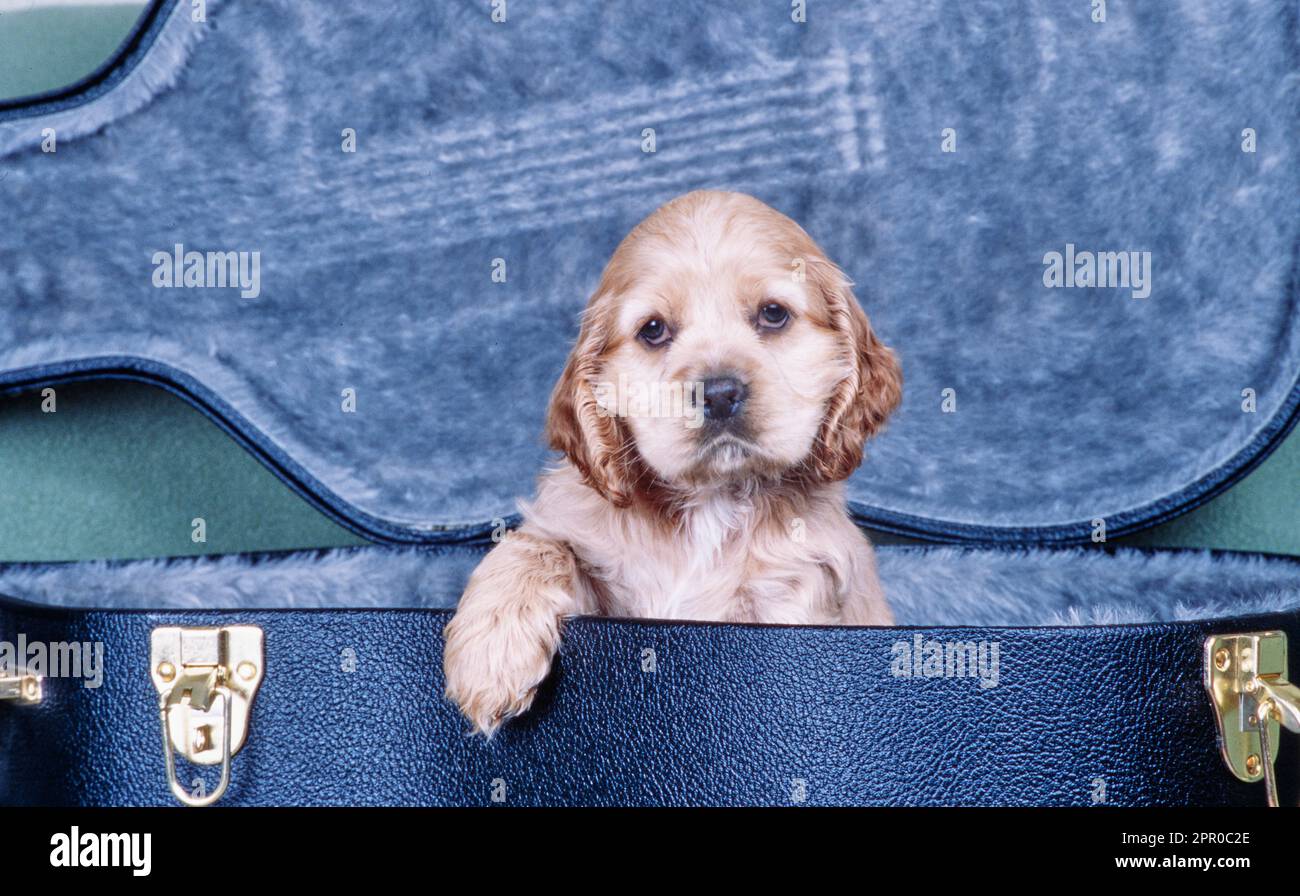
<point x="720" y="392"/>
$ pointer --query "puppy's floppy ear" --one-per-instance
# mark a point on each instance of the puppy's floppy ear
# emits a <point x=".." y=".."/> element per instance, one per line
<point x="870" y="390"/>
<point x="591" y="437"/>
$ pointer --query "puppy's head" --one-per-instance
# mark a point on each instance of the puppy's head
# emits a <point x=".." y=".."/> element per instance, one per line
<point x="721" y="344"/>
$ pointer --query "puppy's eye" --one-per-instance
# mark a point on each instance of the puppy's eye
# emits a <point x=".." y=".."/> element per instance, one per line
<point x="773" y="316"/>
<point x="654" y="332"/>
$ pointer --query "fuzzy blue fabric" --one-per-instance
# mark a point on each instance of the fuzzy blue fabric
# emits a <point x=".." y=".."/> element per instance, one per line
<point x="925" y="586"/>
<point x="523" y="141"/>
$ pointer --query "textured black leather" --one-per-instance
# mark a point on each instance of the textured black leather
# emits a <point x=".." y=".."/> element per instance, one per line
<point x="731" y="715"/>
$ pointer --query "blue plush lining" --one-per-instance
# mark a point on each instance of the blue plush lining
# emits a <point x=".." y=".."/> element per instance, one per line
<point x="523" y="141"/>
<point x="925" y="586"/>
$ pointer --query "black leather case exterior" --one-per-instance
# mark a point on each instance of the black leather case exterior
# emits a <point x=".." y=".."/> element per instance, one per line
<point x="730" y="715"/>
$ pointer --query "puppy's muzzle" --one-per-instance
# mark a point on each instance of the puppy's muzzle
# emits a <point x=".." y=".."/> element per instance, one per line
<point x="724" y="398"/>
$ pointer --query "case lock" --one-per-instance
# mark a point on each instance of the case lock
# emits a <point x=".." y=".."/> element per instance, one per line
<point x="206" y="680"/>
<point x="20" y="687"/>
<point x="1246" y="678"/>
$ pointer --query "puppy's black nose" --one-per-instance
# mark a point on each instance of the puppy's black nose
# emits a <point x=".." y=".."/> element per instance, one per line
<point x="723" y="397"/>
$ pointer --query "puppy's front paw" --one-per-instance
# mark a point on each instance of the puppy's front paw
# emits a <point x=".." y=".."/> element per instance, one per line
<point x="494" y="661"/>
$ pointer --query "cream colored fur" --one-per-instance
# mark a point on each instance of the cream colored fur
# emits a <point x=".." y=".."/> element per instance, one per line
<point x="650" y="516"/>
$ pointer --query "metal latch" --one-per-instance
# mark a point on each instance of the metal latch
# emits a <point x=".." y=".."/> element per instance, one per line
<point x="21" y="688"/>
<point x="206" y="680"/>
<point x="1246" y="678"/>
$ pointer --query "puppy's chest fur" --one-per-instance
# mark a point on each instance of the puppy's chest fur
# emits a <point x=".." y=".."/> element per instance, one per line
<point x="724" y="558"/>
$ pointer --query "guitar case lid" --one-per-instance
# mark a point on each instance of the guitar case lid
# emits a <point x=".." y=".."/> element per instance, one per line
<point x="1079" y="236"/>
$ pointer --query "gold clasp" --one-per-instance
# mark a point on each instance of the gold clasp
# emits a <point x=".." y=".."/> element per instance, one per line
<point x="1246" y="677"/>
<point x="21" y="688"/>
<point x="206" y="680"/>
